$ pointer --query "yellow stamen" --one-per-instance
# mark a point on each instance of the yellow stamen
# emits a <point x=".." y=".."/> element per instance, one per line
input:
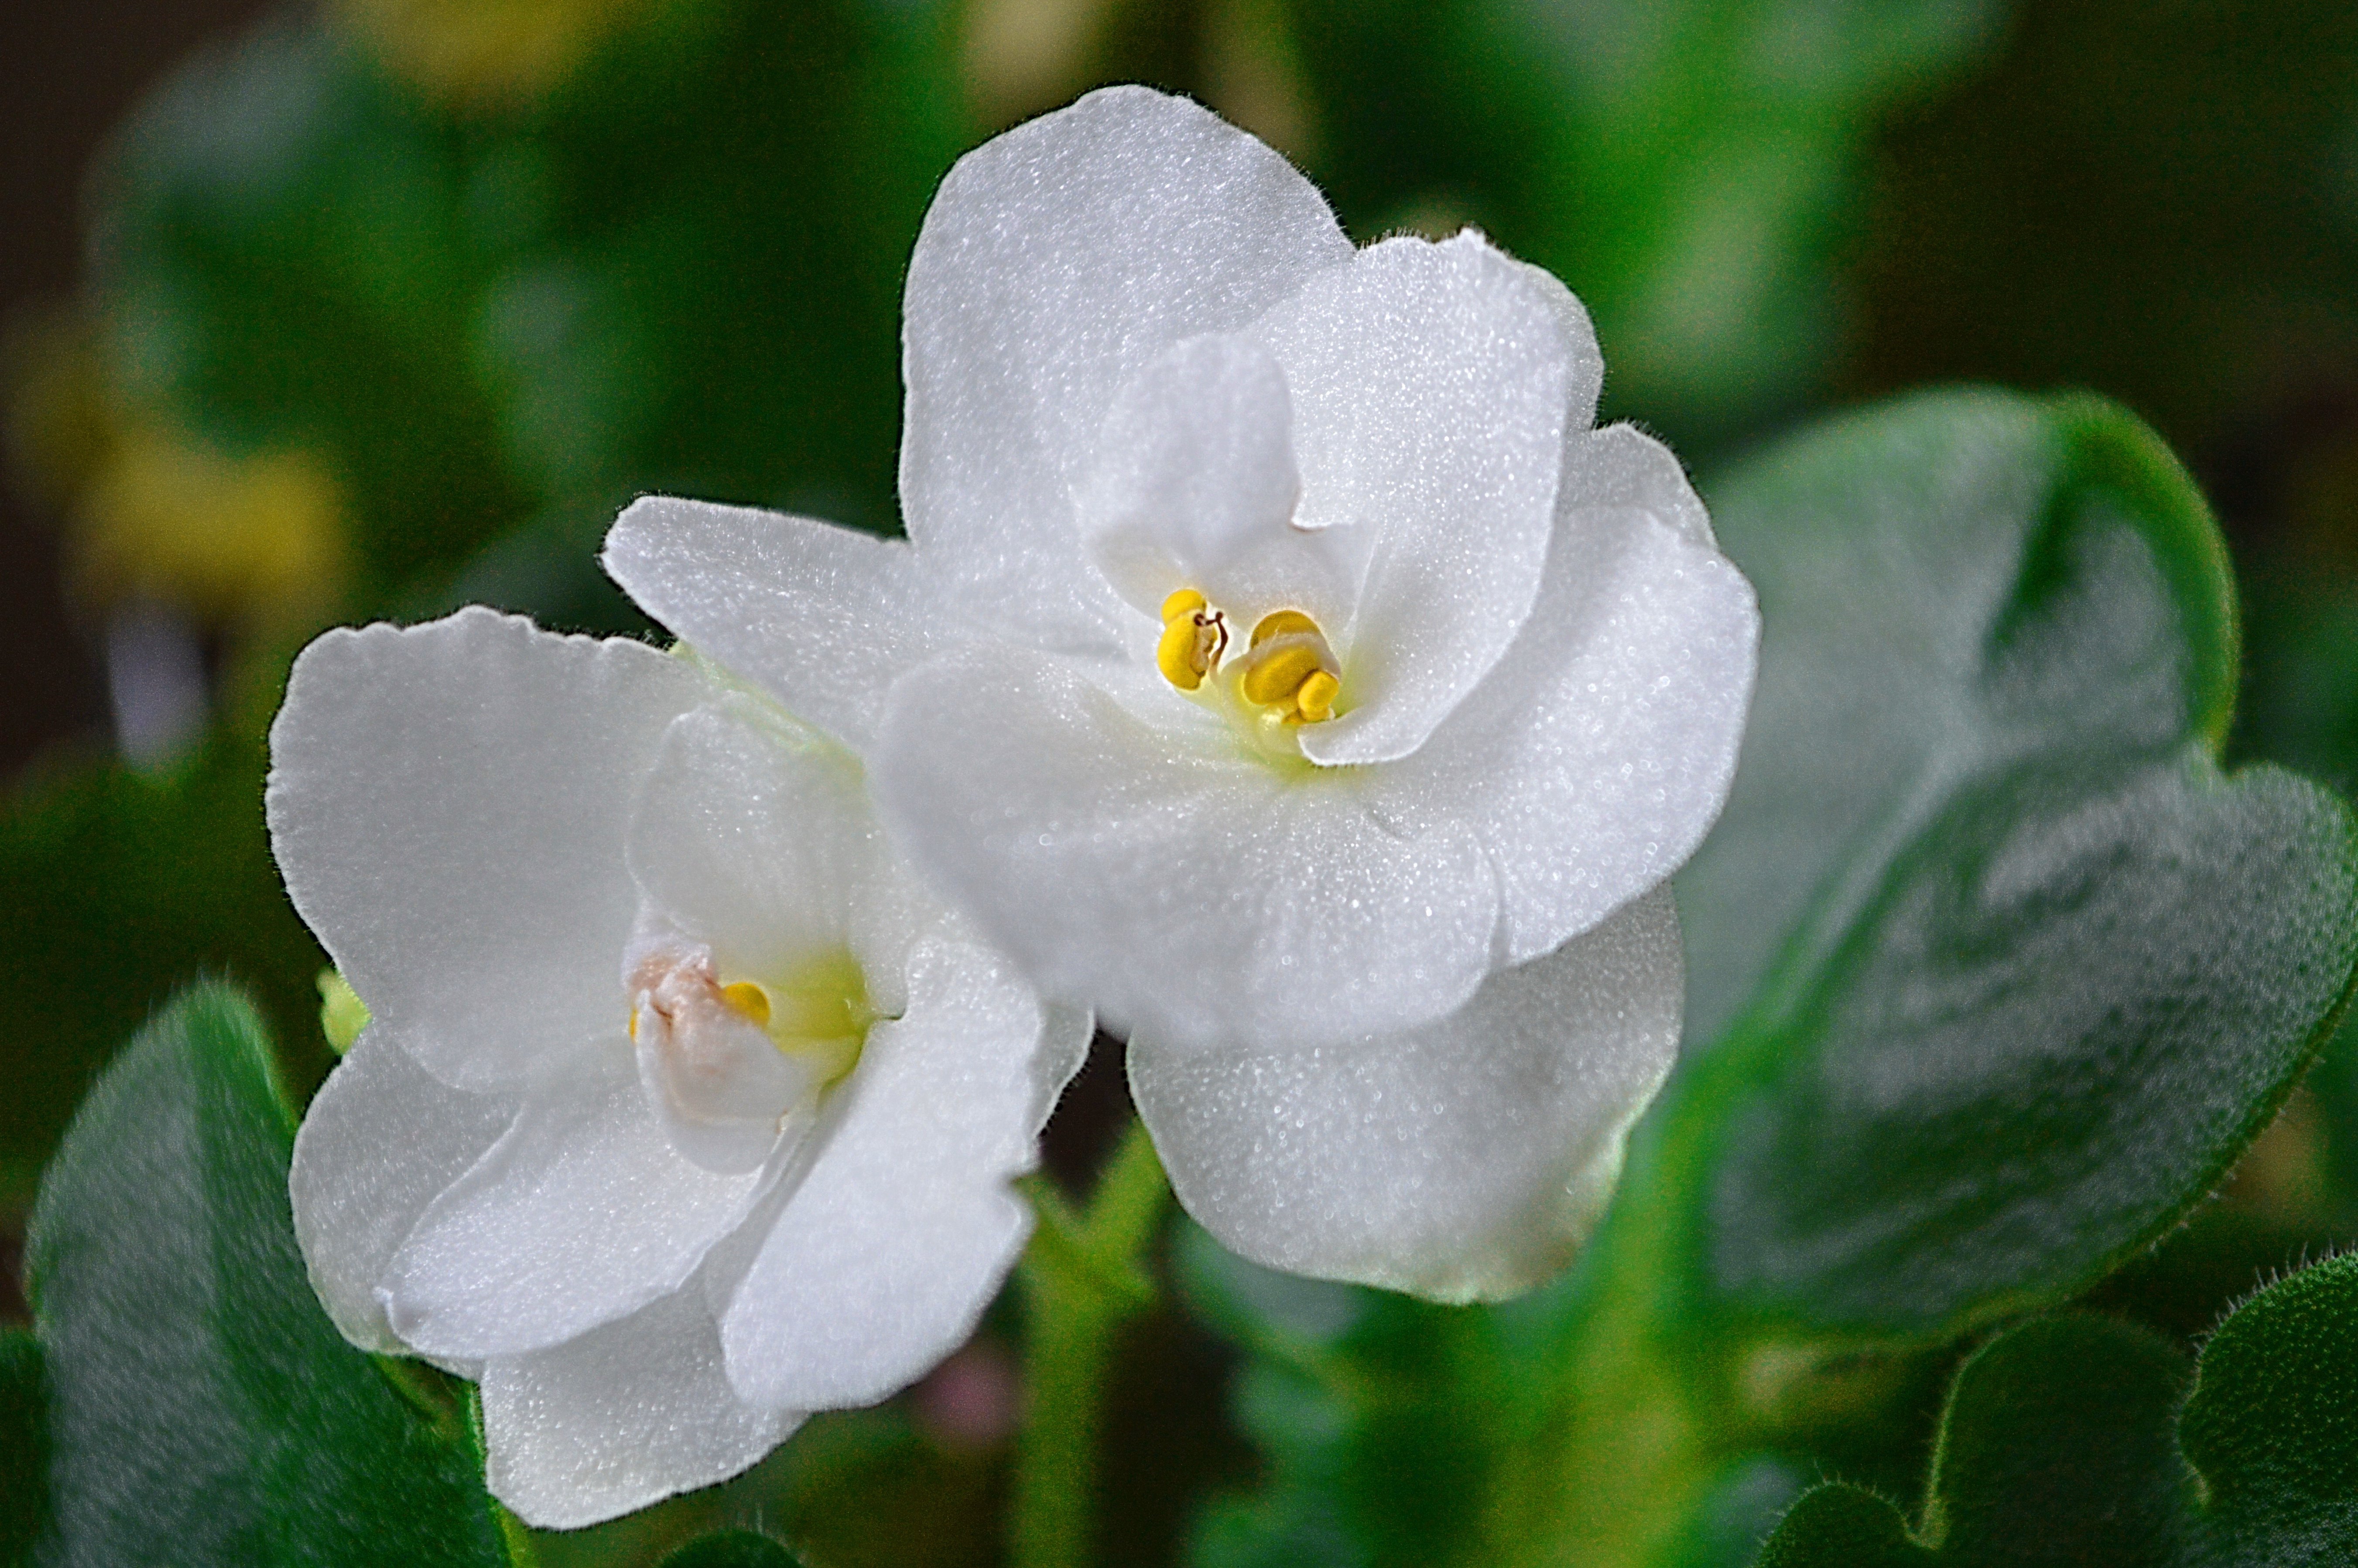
<point x="1290" y="668"/>
<point x="1278" y="623"/>
<point x="1191" y="639"/>
<point x="1289" y="671"/>
<point x="1276" y="677"/>
<point x="750" y="998"/>
<point x="1180" y="653"/>
<point x="1314" y="700"/>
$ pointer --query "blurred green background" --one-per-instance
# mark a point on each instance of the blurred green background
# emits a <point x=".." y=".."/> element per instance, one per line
<point x="380" y="306"/>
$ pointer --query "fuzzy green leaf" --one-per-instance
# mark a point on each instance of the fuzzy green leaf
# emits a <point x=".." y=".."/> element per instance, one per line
<point x="2015" y="970"/>
<point x="203" y="1410"/>
<point x="2058" y="1446"/>
<point x="1947" y="583"/>
<point x="2272" y="1424"/>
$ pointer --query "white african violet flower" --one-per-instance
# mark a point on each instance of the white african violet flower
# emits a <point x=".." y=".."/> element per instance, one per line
<point x="681" y="1112"/>
<point x="1279" y="662"/>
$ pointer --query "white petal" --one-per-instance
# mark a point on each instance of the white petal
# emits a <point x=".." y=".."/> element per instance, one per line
<point x="628" y="1414"/>
<point x="1464" y="1161"/>
<point x="382" y="1140"/>
<point x="1065" y="1031"/>
<point x="1431" y="388"/>
<point x="885" y="1255"/>
<point x="582" y="1214"/>
<point x="1620" y="466"/>
<point x="447" y="804"/>
<point x="1599" y="751"/>
<point x="1185" y="890"/>
<point x="1586" y="370"/>
<point x="1057" y="261"/>
<point x="822" y="617"/>
<point x="752" y="840"/>
<point x="1195" y="487"/>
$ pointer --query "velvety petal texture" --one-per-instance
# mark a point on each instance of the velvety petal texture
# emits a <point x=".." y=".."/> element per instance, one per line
<point x="1464" y="1160"/>
<point x="1195" y="487"/>
<point x="661" y="1031"/>
<point x="621" y="1417"/>
<point x="1431" y="385"/>
<point x="896" y="1239"/>
<point x="1539" y="662"/>
<point x="429" y="789"/>
<point x="582" y="1214"/>
<point x="1599" y="751"/>
<point x="752" y="840"/>
<point x="822" y="617"/>
<point x="1057" y="261"/>
<point x="1195" y="895"/>
<point x="383" y="1139"/>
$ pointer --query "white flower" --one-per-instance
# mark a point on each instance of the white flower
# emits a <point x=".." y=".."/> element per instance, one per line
<point x="1279" y="662"/>
<point x="680" y="1112"/>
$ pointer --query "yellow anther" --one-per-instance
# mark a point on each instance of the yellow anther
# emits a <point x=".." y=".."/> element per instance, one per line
<point x="750" y="998"/>
<point x="1278" y="623"/>
<point x="1279" y="674"/>
<point x="1180" y="655"/>
<point x="1290" y="670"/>
<point x="1182" y="601"/>
<point x="1313" y="701"/>
<point x="1190" y="645"/>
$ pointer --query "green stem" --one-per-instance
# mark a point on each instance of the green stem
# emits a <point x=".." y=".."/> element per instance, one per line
<point x="1083" y="1280"/>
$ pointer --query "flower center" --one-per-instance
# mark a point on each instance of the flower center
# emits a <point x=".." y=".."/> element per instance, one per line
<point x="723" y="1045"/>
<point x="1288" y="672"/>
